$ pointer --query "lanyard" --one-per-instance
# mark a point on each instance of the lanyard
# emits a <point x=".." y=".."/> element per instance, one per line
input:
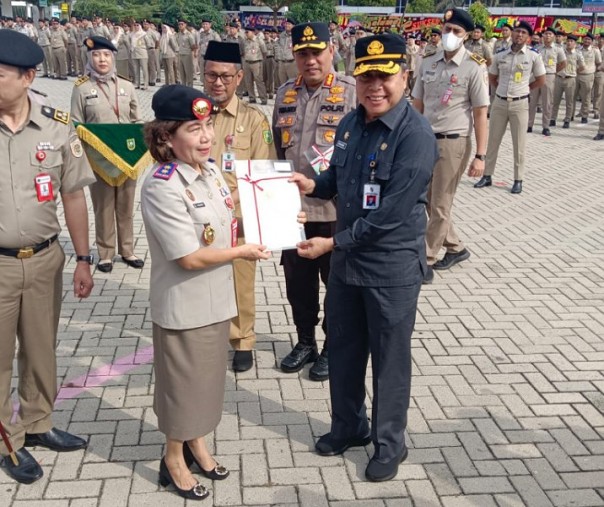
<point x="116" y="107"/>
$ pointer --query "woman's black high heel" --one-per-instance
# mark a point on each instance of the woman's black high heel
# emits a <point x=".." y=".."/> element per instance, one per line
<point x="197" y="492"/>
<point x="219" y="472"/>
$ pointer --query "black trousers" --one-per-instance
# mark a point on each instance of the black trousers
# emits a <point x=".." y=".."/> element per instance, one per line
<point x="302" y="283"/>
<point x="380" y="321"/>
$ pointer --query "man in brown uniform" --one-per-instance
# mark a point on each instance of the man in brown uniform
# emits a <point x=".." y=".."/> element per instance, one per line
<point x="287" y="65"/>
<point x="241" y="132"/>
<point x="254" y="51"/>
<point x="586" y="76"/>
<point x="187" y="46"/>
<point x="307" y="111"/>
<point x="566" y="82"/>
<point x="42" y="158"/>
<point x="58" y="44"/>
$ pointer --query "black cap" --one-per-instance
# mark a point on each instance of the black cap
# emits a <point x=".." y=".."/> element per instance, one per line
<point x="182" y="103"/>
<point x="96" y="42"/>
<point x="550" y="29"/>
<point x="18" y="50"/>
<point x="570" y="36"/>
<point x="310" y="35"/>
<point x="383" y="53"/>
<point x="459" y="17"/>
<point x="526" y="26"/>
<point x="227" y="52"/>
<point x="206" y="20"/>
<point x="233" y="24"/>
<point x="436" y="31"/>
<point x="590" y="35"/>
<point x="507" y="25"/>
<point x="480" y="27"/>
<point x="290" y="20"/>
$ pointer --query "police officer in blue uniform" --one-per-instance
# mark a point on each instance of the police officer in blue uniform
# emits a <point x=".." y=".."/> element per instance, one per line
<point x="380" y="170"/>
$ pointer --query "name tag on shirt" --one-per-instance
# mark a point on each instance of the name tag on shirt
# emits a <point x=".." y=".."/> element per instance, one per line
<point x="371" y="196"/>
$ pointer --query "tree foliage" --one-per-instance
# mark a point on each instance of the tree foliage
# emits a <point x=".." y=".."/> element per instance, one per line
<point x="317" y="10"/>
<point x="421" y="6"/>
<point x="480" y="14"/>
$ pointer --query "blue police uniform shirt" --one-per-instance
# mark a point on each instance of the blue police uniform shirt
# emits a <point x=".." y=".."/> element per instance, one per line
<point x="383" y="247"/>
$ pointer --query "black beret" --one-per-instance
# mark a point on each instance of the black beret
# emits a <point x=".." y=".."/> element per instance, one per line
<point x="310" y="35"/>
<point x="227" y="52"/>
<point x="524" y="25"/>
<point x="97" y="42"/>
<point x="570" y="36"/>
<point x="590" y="35"/>
<point x="459" y="17"/>
<point x="290" y="20"/>
<point x="182" y="103"/>
<point x="18" y="50"/>
<point x="233" y="24"/>
<point x="480" y="27"/>
<point x="63" y="22"/>
<point x="436" y="31"/>
<point x="382" y="53"/>
<point x="54" y="20"/>
<point x="334" y="22"/>
<point x="507" y="25"/>
<point x="206" y="20"/>
<point x="550" y="29"/>
<point x="352" y="31"/>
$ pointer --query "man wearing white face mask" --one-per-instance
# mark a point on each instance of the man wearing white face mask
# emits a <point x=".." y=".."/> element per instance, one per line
<point x="452" y="91"/>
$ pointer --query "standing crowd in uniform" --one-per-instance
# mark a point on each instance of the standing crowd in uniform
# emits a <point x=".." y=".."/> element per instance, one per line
<point x="396" y="131"/>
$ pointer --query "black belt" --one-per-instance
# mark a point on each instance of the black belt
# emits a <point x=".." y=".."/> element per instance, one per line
<point x="446" y="136"/>
<point x="567" y="77"/>
<point x="287" y="61"/>
<point x="27" y="252"/>
<point x="255" y="61"/>
<point x="513" y="99"/>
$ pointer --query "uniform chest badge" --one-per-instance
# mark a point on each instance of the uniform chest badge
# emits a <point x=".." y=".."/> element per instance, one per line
<point x="189" y="194"/>
<point x="291" y="93"/>
<point x="209" y="234"/>
<point x="286" y="136"/>
<point x="329" y="136"/>
<point x="334" y="99"/>
<point x="289" y="100"/>
<point x="336" y="90"/>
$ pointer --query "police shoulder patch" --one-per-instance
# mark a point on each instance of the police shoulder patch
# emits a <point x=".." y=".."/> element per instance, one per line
<point x="55" y="114"/>
<point x="478" y="59"/>
<point x="165" y="171"/>
<point x="81" y="80"/>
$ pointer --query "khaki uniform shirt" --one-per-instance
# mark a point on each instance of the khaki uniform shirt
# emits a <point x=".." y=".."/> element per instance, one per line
<point x="574" y="60"/>
<point x="44" y="37"/>
<point x="480" y="47"/>
<point x="138" y="48"/>
<point x="90" y="105"/>
<point x="252" y="138"/>
<point x="58" y="38"/>
<point x="270" y="48"/>
<point x="278" y="51"/>
<point x="176" y="211"/>
<point x="205" y="38"/>
<point x="592" y="58"/>
<point x="465" y="76"/>
<point x="72" y="35"/>
<point x="551" y="57"/>
<point x="515" y="71"/>
<point x="24" y="221"/>
<point x="303" y="118"/>
<point x="285" y="41"/>
<point x="253" y="50"/>
<point x="102" y="31"/>
<point x="186" y="43"/>
<point x="123" y="47"/>
<point x="239" y="39"/>
<point x="501" y="44"/>
<point x="168" y="46"/>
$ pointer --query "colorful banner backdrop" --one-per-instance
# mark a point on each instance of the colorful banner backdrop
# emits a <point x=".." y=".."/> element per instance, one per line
<point x="261" y="20"/>
<point x="115" y="151"/>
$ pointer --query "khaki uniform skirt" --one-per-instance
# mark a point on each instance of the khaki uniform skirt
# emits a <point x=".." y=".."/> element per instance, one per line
<point x="190" y="372"/>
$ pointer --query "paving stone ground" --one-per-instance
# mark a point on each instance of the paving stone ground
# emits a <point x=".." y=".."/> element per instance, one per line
<point x="507" y="403"/>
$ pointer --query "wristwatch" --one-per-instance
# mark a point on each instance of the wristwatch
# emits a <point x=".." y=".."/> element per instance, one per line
<point x="480" y="157"/>
<point x="85" y="258"/>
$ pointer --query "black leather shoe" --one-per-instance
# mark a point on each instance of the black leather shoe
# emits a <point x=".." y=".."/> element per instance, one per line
<point x="264" y="102"/>
<point x="320" y="370"/>
<point x="452" y="258"/>
<point x="598" y="137"/>
<point x="429" y="276"/>
<point x="134" y="263"/>
<point x="517" y="187"/>
<point x="243" y="360"/>
<point x="377" y="471"/>
<point x="566" y="125"/>
<point x="485" y="181"/>
<point x="27" y="471"/>
<point x="218" y="473"/>
<point x="552" y="123"/>
<point x="297" y="358"/>
<point x="105" y="267"/>
<point x="546" y="132"/>
<point x="197" y="492"/>
<point x="252" y="101"/>
<point x="529" y="130"/>
<point x="55" y="439"/>
<point x="327" y="446"/>
<point x="583" y="120"/>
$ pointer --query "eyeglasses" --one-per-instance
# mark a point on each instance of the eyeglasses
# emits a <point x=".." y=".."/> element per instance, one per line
<point x="226" y="79"/>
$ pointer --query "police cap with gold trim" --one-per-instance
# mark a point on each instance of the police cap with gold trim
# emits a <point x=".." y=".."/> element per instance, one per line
<point x="310" y="35"/>
<point x="18" y="50"/>
<point x="381" y="53"/>
<point x="459" y="17"/>
<point x="182" y="103"/>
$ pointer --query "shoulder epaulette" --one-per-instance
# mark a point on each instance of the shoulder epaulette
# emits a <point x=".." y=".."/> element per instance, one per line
<point x="535" y="50"/>
<point x="477" y="58"/>
<point x="165" y="171"/>
<point x="81" y="80"/>
<point x="430" y="52"/>
<point x="501" y="50"/>
<point x="125" y="78"/>
<point x="55" y="114"/>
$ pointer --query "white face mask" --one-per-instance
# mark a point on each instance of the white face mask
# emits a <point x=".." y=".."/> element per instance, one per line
<point x="451" y="42"/>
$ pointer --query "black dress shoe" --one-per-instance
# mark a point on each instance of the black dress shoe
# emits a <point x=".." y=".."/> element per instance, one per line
<point x="485" y="181"/>
<point x="452" y="258"/>
<point x="297" y="358"/>
<point x="529" y="130"/>
<point x="105" y="267"/>
<point x="134" y="263"/>
<point x="27" y="471"/>
<point x="320" y="370"/>
<point x="328" y="446"/>
<point x="264" y="102"/>
<point x="566" y="125"/>
<point x="552" y="123"/>
<point x="583" y="120"/>
<point x="252" y="101"/>
<point x="598" y="137"/>
<point x="218" y="473"/>
<point x="377" y="471"/>
<point x="243" y="360"/>
<point x="429" y="276"/>
<point x="55" y="439"/>
<point x="197" y="492"/>
<point x="546" y="132"/>
<point x="517" y="187"/>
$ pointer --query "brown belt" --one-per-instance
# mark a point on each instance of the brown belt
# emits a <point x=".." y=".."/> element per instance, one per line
<point x="30" y="251"/>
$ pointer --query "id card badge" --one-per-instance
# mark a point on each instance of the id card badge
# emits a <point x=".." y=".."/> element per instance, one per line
<point x="517" y="77"/>
<point x="228" y="162"/>
<point x="371" y="196"/>
<point x="44" y="190"/>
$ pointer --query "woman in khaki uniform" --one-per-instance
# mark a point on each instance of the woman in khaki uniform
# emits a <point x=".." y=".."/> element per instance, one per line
<point x="100" y="96"/>
<point x="192" y="233"/>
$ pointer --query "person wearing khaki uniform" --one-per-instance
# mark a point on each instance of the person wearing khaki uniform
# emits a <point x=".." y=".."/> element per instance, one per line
<point x="58" y="44"/>
<point x="566" y="82"/>
<point x="287" y="64"/>
<point x="253" y="54"/>
<point x="122" y="58"/>
<point x="206" y="34"/>
<point x="44" y="43"/>
<point x="84" y="31"/>
<point x="43" y="158"/>
<point x="586" y="76"/>
<point x="168" y="51"/>
<point x="554" y="60"/>
<point x="73" y="63"/>
<point x="307" y="111"/>
<point x="186" y="48"/>
<point x="452" y="92"/>
<point x="269" y="69"/>
<point x="511" y="73"/>
<point x="139" y="55"/>
<point x="477" y="45"/>
<point x="234" y="36"/>
<point x="152" y="48"/>
<point x="102" y="97"/>
<point x="241" y="132"/>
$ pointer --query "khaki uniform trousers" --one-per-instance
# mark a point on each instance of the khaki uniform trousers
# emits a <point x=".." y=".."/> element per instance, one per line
<point x="141" y="66"/>
<point x="59" y="61"/>
<point x="30" y="305"/>
<point x="454" y="155"/>
<point x="564" y="86"/>
<point x="516" y="114"/>
<point x="168" y="66"/>
<point x="73" y="64"/>
<point x="47" y="62"/>
<point x="601" y="125"/>
<point x="585" y="84"/>
<point x="123" y="69"/>
<point x="598" y="91"/>
<point x="111" y="205"/>
<point x="242" y="333"/>
<point x="287" y="70"/>
<point x="252" y="73"/>
<point x="186" y="69"/>
<point x="546" y="94"/>
<point x="268" y="75"/>
<point x="153" y="70"/>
